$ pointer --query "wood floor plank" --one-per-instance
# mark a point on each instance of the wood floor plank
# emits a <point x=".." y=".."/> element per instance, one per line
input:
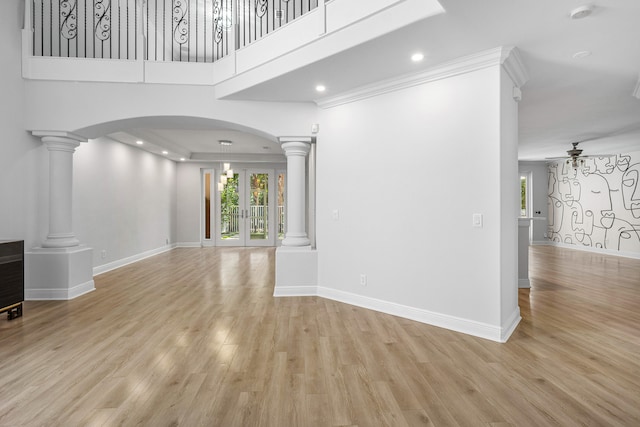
<point x="194" y="337"/>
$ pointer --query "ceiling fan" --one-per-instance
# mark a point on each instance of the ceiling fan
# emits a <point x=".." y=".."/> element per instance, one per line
<point x="574" y="156"/>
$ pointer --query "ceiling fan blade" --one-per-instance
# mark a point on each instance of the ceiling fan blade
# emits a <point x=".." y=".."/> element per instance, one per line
<point x="621" y="131"/>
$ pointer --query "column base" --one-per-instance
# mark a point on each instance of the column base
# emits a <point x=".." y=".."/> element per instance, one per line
<point x="61" y="241"/>
<point x="58" y="273"/>
<point x="296" y="271"/>
<point x="300" y="241"/>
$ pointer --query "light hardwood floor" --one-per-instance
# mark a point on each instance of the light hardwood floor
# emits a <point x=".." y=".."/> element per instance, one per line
<point x="193" y="337"/>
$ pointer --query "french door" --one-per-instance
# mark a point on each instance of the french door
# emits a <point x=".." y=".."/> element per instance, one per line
<point x="243" y="208"/>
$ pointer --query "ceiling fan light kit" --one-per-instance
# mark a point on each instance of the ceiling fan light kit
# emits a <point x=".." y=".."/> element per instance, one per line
<point x="575" y="163"/>
<point x="575" y="157"/>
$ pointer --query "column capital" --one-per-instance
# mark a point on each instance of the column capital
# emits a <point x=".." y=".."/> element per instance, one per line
<point x="305" y="139"/>
<point x="58" y="135"/>
<point x="55" y="143"/>
<point x="296" y="145"/>
<point x="59" y="140"/>
<point x="293" y="146"/>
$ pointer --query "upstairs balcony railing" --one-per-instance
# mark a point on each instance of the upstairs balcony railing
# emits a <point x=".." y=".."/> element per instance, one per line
<point x="156" y="30"/>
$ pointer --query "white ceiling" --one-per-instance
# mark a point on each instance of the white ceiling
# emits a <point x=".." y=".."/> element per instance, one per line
<point x="567" y="99"/>
<point x="203" y="144"/>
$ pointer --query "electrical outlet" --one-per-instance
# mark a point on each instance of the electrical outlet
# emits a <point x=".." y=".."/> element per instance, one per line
<point x="363" y="279"/>
<point x="167" y="241"/>
<point x="103" y="254"/>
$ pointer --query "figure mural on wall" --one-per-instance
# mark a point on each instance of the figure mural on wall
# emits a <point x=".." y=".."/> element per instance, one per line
<point x="597" y="204"/>
<point x="631" y="189"/>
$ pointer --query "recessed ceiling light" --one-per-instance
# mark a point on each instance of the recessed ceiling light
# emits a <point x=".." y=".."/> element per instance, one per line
<point x="225" y="142"/>
<point x="165" y="152"/>
<point x="417" y="57"/>
<point x="581" y="12"/>
<point x="581" y="54"/>
<point x="320" y="88"/>
<point x="139" y="142"/>
<point x="182" y="159"/>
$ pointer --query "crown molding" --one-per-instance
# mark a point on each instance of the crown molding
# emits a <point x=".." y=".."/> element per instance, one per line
<point x="507" y="56"/>
<point x="513" y="65"/>
<point x="636" y="91"/>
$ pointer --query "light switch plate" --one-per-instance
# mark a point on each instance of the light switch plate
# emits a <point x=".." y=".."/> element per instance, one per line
<point x="477" y="220"/>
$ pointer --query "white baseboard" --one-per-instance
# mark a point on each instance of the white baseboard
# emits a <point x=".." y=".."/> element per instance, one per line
<point x="130" y="260"/>
<point x="453" y="323"/>
<point x="601" y="251"/>
<point x="510" y="325"/>
<point x="59" y="294"/>
<point x="189" y="245"/>
<point x="295" y="291"/>
<point x="524" y="283"/>
<point x="540" y="243"/>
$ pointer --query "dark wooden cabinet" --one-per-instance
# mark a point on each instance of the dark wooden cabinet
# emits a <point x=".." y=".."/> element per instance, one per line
<point x="11" y="277"/>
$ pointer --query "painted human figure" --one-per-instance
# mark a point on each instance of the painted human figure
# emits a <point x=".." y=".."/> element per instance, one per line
<point x="624" y="236"/>
<point x="605" y="165"/>
<point x="623" y="163"/>
<point x="596" y="197"/>
<point x="631" y="189"/>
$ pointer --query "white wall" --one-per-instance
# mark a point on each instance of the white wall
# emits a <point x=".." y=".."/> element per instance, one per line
<point x="20" y="154"/>
<point x="124" y="200"/>
<point x="407" y="170"/>
<point x="539" y="196"/>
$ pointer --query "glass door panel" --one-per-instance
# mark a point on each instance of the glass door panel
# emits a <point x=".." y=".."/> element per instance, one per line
<point x="207" y="206"/>
<point x="230" y="209"/>
<point x="208" y="210"/>
<point x="258" y="220"/>
<point x="245" y="212"/>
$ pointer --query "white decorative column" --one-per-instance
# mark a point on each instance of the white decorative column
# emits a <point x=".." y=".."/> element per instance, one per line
<point x="61" y="268"/>
<point x="61" y="151"/>
<point x="296" y="150"/>
<point x="296" y="261"/>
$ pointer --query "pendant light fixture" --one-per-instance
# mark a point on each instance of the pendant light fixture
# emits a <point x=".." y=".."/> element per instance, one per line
<point x="227" y="172"/>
